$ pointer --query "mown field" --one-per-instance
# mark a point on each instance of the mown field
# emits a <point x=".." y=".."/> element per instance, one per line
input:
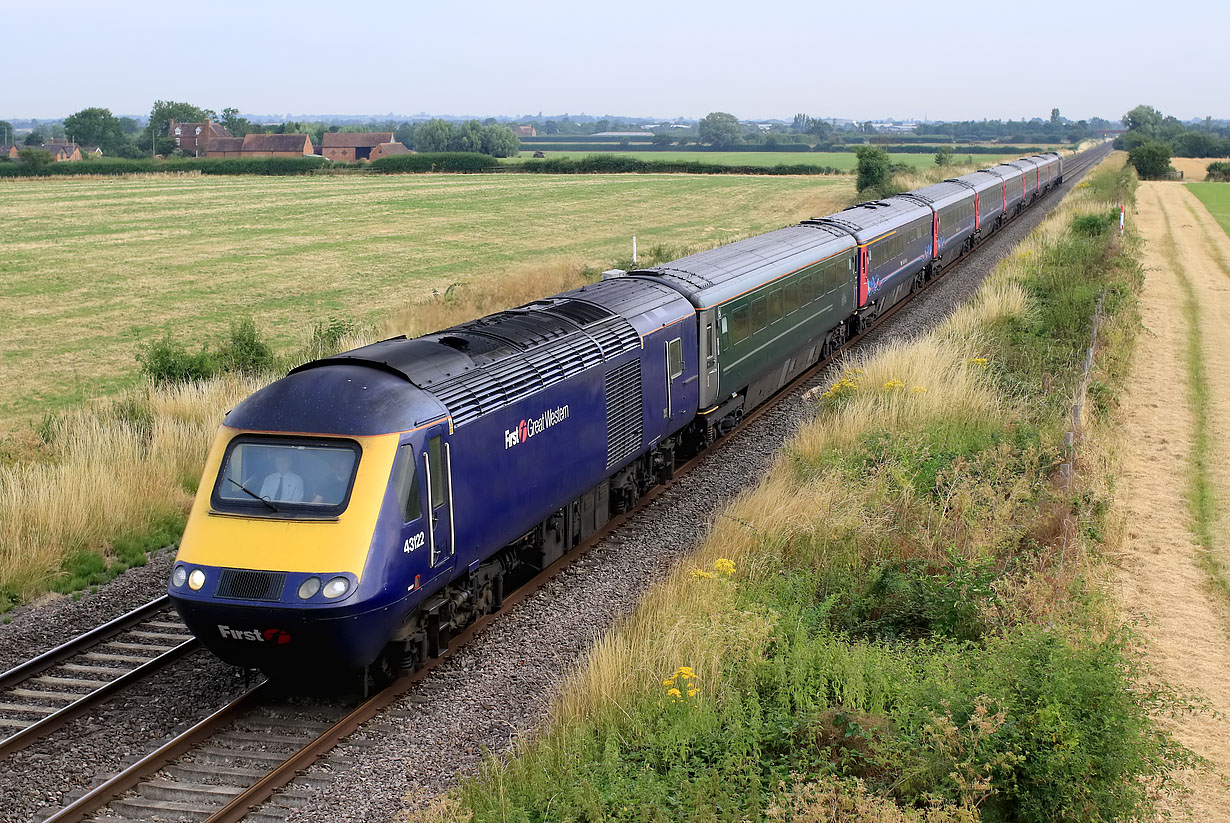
<point x="837" y="159"/>
<point x="1216" y="198"/>
<point x="89" y="268"/>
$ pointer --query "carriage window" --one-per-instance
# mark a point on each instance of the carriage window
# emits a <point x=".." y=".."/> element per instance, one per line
<point x="792" y="296"/>
<point x="288" y="476"/>
<point x="777" y="304"/>
<point x="741" y="324"/>
<point x="674" y="358"/>
<point x="760" y="313"/>
<point x="407" y="484"/>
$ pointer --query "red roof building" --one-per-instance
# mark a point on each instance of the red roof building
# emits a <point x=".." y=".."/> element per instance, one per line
<point x="349" y="146"/>
<point x="194" y="138"/>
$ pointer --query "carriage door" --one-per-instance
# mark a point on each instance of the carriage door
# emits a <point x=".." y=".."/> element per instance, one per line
<point x="675" y="405"/>
<point x="438" y="478"/>
<point x="711" y="352"/>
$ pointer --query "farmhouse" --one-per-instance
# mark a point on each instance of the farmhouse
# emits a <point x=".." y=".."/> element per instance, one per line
<point x="261" y="145"/>
<point x="527" y="131"/>
<point x="60" y="149"/>
<point x="9" y="152"/>
<point x="350" y="146"/>
<point x="195" y="138"/>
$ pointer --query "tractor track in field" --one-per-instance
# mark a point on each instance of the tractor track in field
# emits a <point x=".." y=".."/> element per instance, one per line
<point x="494" y="684"/>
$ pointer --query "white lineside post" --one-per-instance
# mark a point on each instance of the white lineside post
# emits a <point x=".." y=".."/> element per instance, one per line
<point x="634" y="248"/>
<point x="1120" y="219"/>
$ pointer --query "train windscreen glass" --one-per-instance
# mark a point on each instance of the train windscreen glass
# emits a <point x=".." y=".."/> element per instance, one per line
<point x="285" y="476"/>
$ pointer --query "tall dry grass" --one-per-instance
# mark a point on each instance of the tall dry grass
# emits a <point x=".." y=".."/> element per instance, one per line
<point x="115" y="468"/>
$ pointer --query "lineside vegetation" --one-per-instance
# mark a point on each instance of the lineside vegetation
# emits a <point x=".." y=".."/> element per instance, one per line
<point x="905" y="619"/>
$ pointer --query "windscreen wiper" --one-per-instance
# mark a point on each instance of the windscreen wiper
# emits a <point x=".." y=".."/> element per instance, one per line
<point x="253" y="494"/>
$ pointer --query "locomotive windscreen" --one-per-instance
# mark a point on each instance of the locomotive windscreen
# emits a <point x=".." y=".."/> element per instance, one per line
<point x="285" y="476"/>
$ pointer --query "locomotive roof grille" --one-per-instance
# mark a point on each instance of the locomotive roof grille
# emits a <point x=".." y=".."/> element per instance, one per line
<point x="499" y="383"/>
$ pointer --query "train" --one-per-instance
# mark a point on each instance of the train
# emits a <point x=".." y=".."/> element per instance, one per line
<point x="357" y="513"/>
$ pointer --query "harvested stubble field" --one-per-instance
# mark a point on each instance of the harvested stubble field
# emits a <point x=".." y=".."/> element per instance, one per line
<point x="845" y="160"/>
<point x="90" y="268"/>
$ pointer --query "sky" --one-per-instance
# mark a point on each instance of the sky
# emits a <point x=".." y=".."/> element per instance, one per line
<point x="671" y="58"/>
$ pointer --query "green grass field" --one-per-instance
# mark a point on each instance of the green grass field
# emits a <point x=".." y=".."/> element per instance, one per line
<point x="1216" y="198"/>
<point x="91" y="267"/>
<point x="837" y="159"/>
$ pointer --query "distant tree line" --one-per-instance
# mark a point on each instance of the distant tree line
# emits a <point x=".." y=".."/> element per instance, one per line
<point x="124" y="137"/>
<point x="1152" y="138"/>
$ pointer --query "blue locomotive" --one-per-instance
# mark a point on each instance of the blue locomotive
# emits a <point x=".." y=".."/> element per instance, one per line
<point x="366" y="506"/>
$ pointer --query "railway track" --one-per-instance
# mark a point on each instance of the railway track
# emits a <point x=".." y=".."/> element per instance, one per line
<point x="226" y="765"/>
<point x="44" y="693"/>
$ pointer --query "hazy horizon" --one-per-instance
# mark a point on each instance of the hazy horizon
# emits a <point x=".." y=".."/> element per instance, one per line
<point x="674" y="60"/>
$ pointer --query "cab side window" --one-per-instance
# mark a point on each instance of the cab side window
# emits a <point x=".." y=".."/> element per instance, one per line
<point x="407" y="484"/>
<point x="674" y="357"/>
<point x="436" y="458"/>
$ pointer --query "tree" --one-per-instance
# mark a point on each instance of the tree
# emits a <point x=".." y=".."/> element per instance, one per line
<point x="35" y="138"/>
<point x="35" y="158"/>
<point x="874" y="169"/>
<point x="550" y="127"/>
<point x="500" y="141"/>
<point x="1055" y="116"/>
<point x="238" y="126"/>
<point x="943" y="156"/>
<point x="719" y="128"/>
<point x="822" y="129"/>
<point x="434" y="135"/>
<point x="1143" y="118"/>
<point x="96" y="127"/>
<point x="801" y="124"/>
<point x="6" y="133"/>
<point x="468" y="137"/>
<point x="1152" y="159"/>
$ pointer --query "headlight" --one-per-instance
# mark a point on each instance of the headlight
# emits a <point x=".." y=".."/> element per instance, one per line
<point x="309" y="587"/>
<point x="337" y="587"/>
<point x="196" y="579"/>
<point x="179" y="576"/>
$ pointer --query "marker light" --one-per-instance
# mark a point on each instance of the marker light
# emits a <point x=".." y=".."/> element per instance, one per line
<point x="196" y="579"/>
<point x="309" y="587"/>
<point x="179" y="577"/>
<point x="337" y="587"/>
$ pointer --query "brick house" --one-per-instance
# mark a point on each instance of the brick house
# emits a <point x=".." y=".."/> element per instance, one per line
<point x="194" y="138"/>
<point x="262" y="145"/>
<point x="389" y="150"/>
<point x="348" y="147"/>
<point x="9" y="152"/>
<point x="61" y="150"/>
<point x="527" y="131"/>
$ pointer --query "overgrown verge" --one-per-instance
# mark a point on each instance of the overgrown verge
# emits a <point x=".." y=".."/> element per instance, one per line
<point x="903" y="621"/>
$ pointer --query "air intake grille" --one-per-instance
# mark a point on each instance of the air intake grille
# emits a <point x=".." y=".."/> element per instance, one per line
<point x="623" y="412"/>
<point x="499" y="383"/>
<point x="241" y="584"/>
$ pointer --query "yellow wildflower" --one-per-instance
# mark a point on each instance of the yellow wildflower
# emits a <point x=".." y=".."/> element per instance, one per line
<point x="893" y="385"/>
<point x="693" y="692"/>
<point x="920" y="390"/>
<point x="675" y="693"/>
<point x="724" y="566"/>
<point x="670" y="681"/>
<point x="978" y="361"/>
<point x="686" y="671"/>
<point x="701" y="574"/>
